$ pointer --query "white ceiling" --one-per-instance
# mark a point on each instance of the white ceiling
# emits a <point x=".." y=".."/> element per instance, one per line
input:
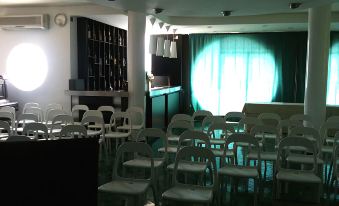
<point x="198" y="16"/>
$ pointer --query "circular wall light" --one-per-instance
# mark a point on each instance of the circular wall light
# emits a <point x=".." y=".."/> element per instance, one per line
<point x="27" y="66"/>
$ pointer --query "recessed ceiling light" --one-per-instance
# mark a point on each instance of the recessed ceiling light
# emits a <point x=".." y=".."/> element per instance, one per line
<point x="226" y="13"/>
<point x="158" y="10"/>
<point x="294" y="5"/>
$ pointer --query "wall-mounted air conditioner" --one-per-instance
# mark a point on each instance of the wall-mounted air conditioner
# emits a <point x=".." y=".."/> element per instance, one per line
<point x="18" y="22"/>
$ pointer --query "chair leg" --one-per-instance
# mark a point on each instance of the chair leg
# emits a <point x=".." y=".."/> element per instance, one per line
<point x="155" y="195"/>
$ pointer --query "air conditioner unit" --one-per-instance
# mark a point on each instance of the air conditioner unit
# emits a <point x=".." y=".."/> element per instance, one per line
<point x="19" y="22"/>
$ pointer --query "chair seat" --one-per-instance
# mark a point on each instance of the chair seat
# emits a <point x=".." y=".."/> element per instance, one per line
<point x="327" y="149"/>
<point x="189" y="193"/>
<point x="125" y="187"/>
<point x="170" y="149"/>
<point x="189" y="166"/>
<point x="217" y="141"/>
<point x="126" y="127"/>
<point x="220" y="153"/>
<point x="116" y="135"/>
<point x="143" y="163"/>
<point x="269" y="156"/>
<point x="239" y="171"/>
<point x="92" y="133"/>
<point x="300" y="158"/>
<point x="298" y="176"/>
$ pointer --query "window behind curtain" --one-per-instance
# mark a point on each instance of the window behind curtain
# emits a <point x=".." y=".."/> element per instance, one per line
<point x="229" y="70"/>
<point x="333" y="72"/>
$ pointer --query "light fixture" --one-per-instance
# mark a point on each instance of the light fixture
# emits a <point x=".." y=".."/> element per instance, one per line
<point x="167" y="46"/>
<point x="226" y="13"/>
<point x="294" y="5"/>
<point x="161" y="24"/>
<point x="152" y="44"/>
<point x="173" y="50"/>
<point x="158" y="10"/>
<point x="160" y="46"/>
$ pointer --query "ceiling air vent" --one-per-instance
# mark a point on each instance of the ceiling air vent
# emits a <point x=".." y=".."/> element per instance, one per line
<point x="20" y="22"/>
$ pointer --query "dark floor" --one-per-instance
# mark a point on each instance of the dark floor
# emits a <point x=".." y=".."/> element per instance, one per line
<point x="298" y="195"/>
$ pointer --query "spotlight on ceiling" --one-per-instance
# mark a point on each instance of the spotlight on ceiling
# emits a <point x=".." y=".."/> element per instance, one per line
<point x="157" y="10"/>
<point x="294" y="5"/>
<point x="226" y="13"/>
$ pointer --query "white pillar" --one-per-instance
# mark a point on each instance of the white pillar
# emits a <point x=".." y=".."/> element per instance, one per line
<point x="136" y="58"/>
<point x="319" y="19"/>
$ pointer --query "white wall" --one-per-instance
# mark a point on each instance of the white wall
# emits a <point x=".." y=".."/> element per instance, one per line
<point x="57" y="45"/>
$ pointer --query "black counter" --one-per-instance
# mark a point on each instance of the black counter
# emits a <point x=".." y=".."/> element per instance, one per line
<point x="161" y="104"/>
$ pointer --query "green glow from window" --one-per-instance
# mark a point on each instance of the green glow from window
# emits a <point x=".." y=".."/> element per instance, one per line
<point x="231" y="71"/>
<point x="333" y="76"/>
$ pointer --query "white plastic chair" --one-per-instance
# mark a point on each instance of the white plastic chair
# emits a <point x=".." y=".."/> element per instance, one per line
<point x="37" y="111"/>
<point x="131" y="188"/>
<point x="50" y="114"/>
<point x="58" y="122"/>
<point x="104" y="109"/>
<point x="36" y="128"/>
<point x="11" y="110"/>
<point x="144" y="162"/>
<point x="72" y="131"/>
<point x="208" y="120"/>
<point x="191" y="193"/>
<point x="303" y="175"/>
<point x="30" y="104"/>
<point x="138" y="121"/>
<point x="305" y="119"/>
<point x="268" y="118"/>
<point x="233" y="118"/>
<point x="76" y="109"/>
<point x="246" y="123"/>
<point x="245" y="171"/>
<point x="183" y="117"/>
<point x="286" y="125"/>
<point x="9" y="117"/>
<point x="24" y="119"/>
<point x="198" y="116"/>
<point x="119" y="134"/>
<point x="4" y="126"/>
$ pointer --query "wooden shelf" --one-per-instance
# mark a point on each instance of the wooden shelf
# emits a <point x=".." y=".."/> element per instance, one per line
<point x="97" y="93"/>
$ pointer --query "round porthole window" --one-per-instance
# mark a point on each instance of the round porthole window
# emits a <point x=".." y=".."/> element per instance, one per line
<point x="27" y="67"/>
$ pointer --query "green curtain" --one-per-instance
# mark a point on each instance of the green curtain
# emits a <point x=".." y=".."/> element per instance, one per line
<point x="333" y="71"/>
<point x="228" y="70"/>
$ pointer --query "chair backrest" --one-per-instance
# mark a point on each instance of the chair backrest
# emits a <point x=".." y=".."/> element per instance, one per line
<point x="291" y="141"/>
<point x="54" y="106"/>
<point x="59" y="121"/>
<point x="268" y="118"/>
<point x="217" y="129"/>
<point x="286" y="125"/>
<point x="72" y="130"/>
<point x="132" y="147"/>
<point x="9" y="109"/>
<point x="208" y="120"/>
<point x="95" y="113"/>
<point x="80" y="107"/>
<point x="305" y="119"/>
<point x="334" y="118"/>
<point x="51" y="113"/>
<point x="37" y="111"/>
<point x="183" y="117"/>
<point x="5" y="126"/>
<point x="248" y="122"/>
<point x="30" y="104"/>
<point x="182" y="125"/>
<point x="35" y="127"/>
<point x="18" y="138"/>
<point x="309" y="133"/>
<point x="153" y="133"/>
<point x="106" y="109"/>
<point x="233" y="116"/>
<point x="199" y="115"/>
<point x="248" y="140"/>
<point x="94" y="119"/>
<point x="192" y="136"/>
<point x="121" y="117"/>
<point x="328" y="129"/>
<point x="137" y="117"/>
<point x="9" y="116"/>
<point x="194" y="153"/>
<point x="261" y="132"/>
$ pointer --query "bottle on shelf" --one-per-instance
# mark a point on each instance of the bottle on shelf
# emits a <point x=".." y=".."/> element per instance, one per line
<point x="109" y="36"/>
<point x="89" y="33"/>
<point x="120" y="40"/>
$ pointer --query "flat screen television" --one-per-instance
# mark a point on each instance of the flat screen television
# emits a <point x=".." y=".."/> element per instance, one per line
<point x="60" y="172"/>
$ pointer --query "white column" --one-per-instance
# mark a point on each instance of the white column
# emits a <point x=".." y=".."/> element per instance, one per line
<point x="136" y="58"/>
<point x="319" y="19"/>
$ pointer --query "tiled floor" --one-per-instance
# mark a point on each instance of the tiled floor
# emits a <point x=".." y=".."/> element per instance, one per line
<point x="299" y="195"/>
